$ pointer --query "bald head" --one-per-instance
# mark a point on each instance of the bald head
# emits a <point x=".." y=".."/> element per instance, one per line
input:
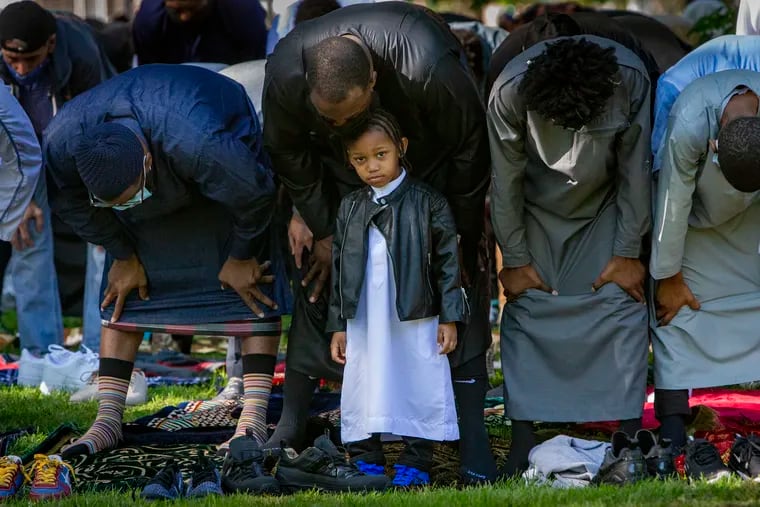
<point x="336" y="65"/>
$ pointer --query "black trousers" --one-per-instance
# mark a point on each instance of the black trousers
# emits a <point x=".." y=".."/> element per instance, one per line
<point x="6" y="250"/>
<point x="669" y="402"/>
<point x="418" y="452"/>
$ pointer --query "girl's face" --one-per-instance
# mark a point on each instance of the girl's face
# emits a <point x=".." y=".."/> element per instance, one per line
<point x="376" y="159"/>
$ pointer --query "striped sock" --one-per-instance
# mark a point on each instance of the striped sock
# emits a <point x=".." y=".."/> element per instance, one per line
<point x="113" y="383"/>
<point x="258" y="370"/>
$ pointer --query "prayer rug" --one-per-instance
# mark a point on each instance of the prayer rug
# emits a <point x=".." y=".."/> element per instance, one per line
<point x="132" y="467"/>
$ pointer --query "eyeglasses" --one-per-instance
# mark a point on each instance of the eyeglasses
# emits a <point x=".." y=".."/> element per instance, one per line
<point x="136" y="199"/>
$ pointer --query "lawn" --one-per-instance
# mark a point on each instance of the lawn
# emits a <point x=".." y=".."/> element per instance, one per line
<point x="27" y="407"/>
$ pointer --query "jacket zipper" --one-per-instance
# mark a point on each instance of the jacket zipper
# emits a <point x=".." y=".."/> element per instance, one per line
<point x="340" y="270"/>
<point x="465" y="301"/>
<point x="427" y="276"/>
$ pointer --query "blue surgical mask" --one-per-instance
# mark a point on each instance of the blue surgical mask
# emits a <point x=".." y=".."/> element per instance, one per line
<point x="135" y="200"/>
<point x="29" y="78"/>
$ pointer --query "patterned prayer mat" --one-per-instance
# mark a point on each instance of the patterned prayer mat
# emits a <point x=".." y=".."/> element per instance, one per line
<point x="132" y="467"/>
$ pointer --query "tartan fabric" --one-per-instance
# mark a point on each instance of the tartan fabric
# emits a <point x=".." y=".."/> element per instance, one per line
<point x="264" y="327"/>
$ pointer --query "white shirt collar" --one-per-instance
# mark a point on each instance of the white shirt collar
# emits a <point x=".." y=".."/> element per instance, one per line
<point x="390" y="187"/>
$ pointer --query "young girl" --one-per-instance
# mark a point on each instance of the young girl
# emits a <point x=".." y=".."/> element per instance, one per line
<point x="395" y="300"/>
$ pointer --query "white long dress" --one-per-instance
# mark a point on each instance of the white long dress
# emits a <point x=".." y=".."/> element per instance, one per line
<point x="395" y="381"/>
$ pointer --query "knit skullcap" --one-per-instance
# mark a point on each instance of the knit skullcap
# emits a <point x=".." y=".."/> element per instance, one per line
<point x="109" y="159"/>
<point x="25" y="26"/>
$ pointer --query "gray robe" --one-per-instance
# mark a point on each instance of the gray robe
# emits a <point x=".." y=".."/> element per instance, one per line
<point x="711" y="233"/>
<point x="567" y="201"/>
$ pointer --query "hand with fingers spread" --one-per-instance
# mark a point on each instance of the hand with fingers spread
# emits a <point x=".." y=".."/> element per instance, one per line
<point x="21" y="238"/>
<point x="627" y="273"/>
<point x="672" y="295"/>
<point x="244" y="276"/>
<point x="299" y="237"/>
<point x="447" y="337"/>
<point x="123" y="277"/>
<point x="338" y="347"/>
<point x="517" y="280"/>
<point x="319" y="272"/>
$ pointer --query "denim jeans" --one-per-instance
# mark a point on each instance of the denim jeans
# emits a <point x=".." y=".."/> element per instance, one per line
<point x="34" y="279"/>
<point x="96" y="258"/>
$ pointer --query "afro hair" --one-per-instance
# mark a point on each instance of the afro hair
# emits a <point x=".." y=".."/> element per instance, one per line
<point x="570" y="82"/>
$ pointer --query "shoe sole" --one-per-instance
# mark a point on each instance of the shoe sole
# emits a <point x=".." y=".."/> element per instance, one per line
<point x="263" y="488"/>
<point x="719" y="476"/>
<point x="746" y="477"/>
<point x="292" y="480"/>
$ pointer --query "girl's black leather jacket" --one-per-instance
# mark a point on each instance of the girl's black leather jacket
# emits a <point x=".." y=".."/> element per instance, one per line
<point x="419" y="229"/>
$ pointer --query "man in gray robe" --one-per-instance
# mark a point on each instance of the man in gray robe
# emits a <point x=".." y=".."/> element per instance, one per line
<point x="570" y="205"/>
<point x="705" y="245"/>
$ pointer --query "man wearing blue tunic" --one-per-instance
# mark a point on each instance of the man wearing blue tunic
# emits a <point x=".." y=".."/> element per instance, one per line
<point x="163" y="166"/>
<point x="705" y="245"/>
<point x="724" y="53"/>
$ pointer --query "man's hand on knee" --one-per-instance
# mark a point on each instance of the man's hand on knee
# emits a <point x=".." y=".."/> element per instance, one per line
<point x="123" y="277"/>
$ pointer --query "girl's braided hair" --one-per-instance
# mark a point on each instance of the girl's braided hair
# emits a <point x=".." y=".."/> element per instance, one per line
<point x="381" y="120"/>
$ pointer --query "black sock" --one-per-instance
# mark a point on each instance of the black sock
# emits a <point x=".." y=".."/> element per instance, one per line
<point x="630" y="426"/>
<point x="523" y="440"/>
<point x="298" y="392"/>
<point x="477" y="462"/>
<point x="674" y="428"/>
<point x="259" y="363"/>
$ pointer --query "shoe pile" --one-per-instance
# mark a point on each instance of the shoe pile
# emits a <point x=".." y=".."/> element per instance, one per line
<point x="243" y="469"/>
<point x="50" y="479"/>
<point x="59" y="369"/>
<point x="169" y="483"/>
<point x="745" y="457"/>
<point x="325" y="468"/>
<point x="136" y="395"/>
<point x="630" y="460"/>
<point x="703" y="462"/>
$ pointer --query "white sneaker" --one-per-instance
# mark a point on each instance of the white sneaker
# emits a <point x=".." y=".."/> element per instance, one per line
<point x="30" y="368"/>
<point x="66" y="370"/>
<point x="88" y="392"/>
<point x="232" y="391"/>
<point x="136" y="395"/>
<point x="138" y="389"/>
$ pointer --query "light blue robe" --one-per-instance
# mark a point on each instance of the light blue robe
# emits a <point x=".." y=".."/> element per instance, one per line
<point x="730" y="52"/>
<point x="710" y="232"/>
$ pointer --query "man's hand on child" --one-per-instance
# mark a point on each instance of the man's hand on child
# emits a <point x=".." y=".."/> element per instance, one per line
<point x="338" y="345"/>
<point x="447" y="337"/>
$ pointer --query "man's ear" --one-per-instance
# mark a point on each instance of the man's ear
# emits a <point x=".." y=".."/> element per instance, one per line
<point x="51" y="44"/>
<point x="372" y="80"/>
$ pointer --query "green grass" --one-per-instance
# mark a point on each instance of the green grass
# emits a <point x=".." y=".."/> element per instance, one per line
<point x="27" y="407"/>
